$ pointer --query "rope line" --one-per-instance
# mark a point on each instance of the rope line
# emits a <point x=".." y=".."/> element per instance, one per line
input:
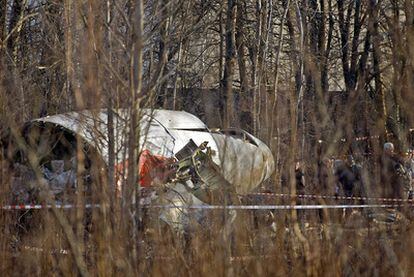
<point x="47" y="206"/>
<point x="313" y="196"/>
<point x="395" y="203"/>
<point x="273" y="207"/>
<point x="211" y="207"/>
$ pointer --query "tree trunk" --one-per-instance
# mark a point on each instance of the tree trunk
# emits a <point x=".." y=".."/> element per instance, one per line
<point x="15" y="17"/>
<point x="132" y="200"/>
<point x="379" y="92"/>
<point x="3" y="25"/>
<point x="230" y="113"/>
<point x="241" y="53"/>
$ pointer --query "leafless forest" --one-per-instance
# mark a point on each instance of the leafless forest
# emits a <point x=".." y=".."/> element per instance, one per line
<point x="313" y="79"/>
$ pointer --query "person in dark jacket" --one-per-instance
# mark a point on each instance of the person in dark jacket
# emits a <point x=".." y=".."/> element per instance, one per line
<point x="300" y="179"/>
<point x="359" y="189"/>
<point x="345" y="179"/>
<point x="300" y="188"/>
<point x="325" y="181"/>
<point x="346" y="183"/>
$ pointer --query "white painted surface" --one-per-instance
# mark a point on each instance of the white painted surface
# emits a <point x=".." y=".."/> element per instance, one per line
<point x="164" y="132"/>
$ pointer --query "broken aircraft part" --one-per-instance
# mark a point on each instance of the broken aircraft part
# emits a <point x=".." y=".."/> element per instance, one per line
<point x="210" y="167"/>
<point x="243" y="159"/>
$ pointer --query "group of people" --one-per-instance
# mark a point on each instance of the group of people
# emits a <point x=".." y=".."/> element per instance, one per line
<point x="350" y="179"/>
<point x="388" y="176"/>
<point x="343" y="177"/>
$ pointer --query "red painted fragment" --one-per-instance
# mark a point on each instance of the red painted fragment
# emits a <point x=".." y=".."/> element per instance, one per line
<point x="152" y="169"/>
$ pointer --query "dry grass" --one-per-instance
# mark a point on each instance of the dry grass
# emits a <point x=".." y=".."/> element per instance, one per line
<point x="33" y="243"/>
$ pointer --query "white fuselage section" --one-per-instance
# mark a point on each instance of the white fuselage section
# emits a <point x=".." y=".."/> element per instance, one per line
<point x="244" y="163"/>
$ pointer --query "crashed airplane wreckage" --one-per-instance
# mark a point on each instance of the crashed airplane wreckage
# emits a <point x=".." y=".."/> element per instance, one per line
<point x="195" y="165"/>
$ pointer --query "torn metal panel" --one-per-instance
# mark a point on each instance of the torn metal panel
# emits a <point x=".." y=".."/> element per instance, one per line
<point x="180" y="219"/>
<point x="182" y="137"/>
<point x="243" y="164"/>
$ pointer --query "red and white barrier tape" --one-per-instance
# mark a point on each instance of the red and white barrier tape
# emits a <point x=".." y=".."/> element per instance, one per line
<point x="53" y="251"/>
<point x="366" y="137"/>
<point x="272" y="207"/>
<point x="313" y="196"/>
<point x="355" y="139"/>
<point x="47" y="206"/>
<point x="162" y="258"/>
<point x="214" y="207"/>
<point x="395" y="203"/>
<point x="250" y="257"/>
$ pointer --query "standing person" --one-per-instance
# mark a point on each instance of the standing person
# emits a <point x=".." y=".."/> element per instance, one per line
<point x="344" y="178"/>
<point x="395" y="178"/>
<point x="300" y="188"/>
<point x="395" y="183"/>
<point x="410" y="162"/>
<point x="325" y="177"/>
<point x="346" y="182"/>
<point x="300" y="178"/>
<point x="410" y="168"/>
<point x="324" y="184"/>
<point x="359" y="186"/>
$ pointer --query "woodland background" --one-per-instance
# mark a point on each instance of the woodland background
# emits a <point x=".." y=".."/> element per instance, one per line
<point x="305" y="76"/>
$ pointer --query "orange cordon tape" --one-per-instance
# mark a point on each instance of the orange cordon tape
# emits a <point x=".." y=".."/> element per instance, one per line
<point x="313" y="196"/>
